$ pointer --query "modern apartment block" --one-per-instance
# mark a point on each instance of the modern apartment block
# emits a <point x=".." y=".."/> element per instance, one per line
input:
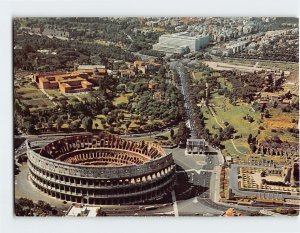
<point x="179" y="42"/>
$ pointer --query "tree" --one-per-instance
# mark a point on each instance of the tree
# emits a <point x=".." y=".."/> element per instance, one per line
<point x="127" y="124"/>
<point x="75" y="124"/>
<point x="105" y="111"/>
<point x="111" y="119"/>
<point x="96" y="125"/>
<point x="59" y="123"/>
<point x="103" y="122"/>
<point x="267" y="114"/>
<point x="29" y="127"/>
<point x="87" y="123"/>
<point x="39" y="125"/>
<point x="111" y="129"/>
<point x="263" y="174"/>
<point x="172" y="133"/>
<point x="250" y="119"/>
<point x="253" y="147"/>
<point x="249" y="138"/>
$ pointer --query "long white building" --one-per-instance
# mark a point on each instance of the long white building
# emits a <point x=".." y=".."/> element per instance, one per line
<point x="179" y="42"/>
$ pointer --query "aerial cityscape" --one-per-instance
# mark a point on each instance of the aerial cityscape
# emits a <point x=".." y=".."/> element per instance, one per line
<point x="156" y="116"/>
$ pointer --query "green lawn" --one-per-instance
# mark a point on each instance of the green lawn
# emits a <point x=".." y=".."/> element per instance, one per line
<point x="210" y="121"/>
<point x="121" y="99"/>
<point x="54" y="93"/>
<point x="224" y="83"/>
<point x="198" y="75"/>
<point x="34" y="98"/>
<point x="234" y="116"/>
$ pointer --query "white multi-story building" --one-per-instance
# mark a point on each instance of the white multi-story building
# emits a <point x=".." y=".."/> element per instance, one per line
<point x="179" y="42"/>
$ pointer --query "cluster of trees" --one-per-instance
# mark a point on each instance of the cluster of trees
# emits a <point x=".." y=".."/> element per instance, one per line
<point x="85" y="28"/>
<point x="67" y="53"/>
<point x="166" y="110"/>
<point x="197" y="92"/>
<point x="182" y="134"/>
<point x="279" y="49"/>
<point x="74" y="114"/>
<point x="143" y="41"/>
<point x="227" y="132"/>
<point x="294" y="132"/>
<point x="248" y="118"/>
<point x="151" y="52"/>
<point x="243" y="86"/>
<point x="252" y="142"/>
<point x="26" y="207"/>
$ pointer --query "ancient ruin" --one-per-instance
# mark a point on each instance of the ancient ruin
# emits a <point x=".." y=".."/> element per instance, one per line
<point x="102" y="169"/>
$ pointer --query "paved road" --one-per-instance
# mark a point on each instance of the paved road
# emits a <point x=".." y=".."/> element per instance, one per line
<point x="185" y="92"/>
<point x="24" y="188"/>
<point x="203" y="171"/>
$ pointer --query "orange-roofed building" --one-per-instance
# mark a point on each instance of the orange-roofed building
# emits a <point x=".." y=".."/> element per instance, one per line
<point x="231" y="212"/>
<point x="76" y="81"/>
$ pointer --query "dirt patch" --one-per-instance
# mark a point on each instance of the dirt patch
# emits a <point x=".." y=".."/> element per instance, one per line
<point x="282" y="122"/>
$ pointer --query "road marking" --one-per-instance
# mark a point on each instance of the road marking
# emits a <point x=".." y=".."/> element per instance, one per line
<point x="175" y="207"/>
<point x="197" y="171"/>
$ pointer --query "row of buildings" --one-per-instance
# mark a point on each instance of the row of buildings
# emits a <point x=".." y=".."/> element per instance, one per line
<point x="255" y="43"/>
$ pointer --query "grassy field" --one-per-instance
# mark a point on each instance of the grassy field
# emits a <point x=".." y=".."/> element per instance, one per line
<point x="121" y="99"/>
<point x="54" y="93"/>
<point x="210" y="121"/>
<point x="278" y="124"/>
<point x="224" y="83"/>
<point x="226" y="112"/>
<point x="33" y="98"/>
<point x="234" y="115"/>
<point x="29" y="92"/>
<point x="198" y="75"/>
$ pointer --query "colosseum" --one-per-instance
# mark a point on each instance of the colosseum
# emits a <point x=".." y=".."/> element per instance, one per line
<point x="102" y="170"/>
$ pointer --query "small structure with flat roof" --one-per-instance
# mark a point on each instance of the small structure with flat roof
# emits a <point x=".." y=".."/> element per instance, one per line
<point x="196" y="146"/>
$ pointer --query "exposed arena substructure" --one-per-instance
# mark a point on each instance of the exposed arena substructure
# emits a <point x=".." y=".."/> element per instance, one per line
<point x="102" y="169"/>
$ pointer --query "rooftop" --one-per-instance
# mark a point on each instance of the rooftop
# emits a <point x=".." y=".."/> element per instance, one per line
<point x="88" y="67"/>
